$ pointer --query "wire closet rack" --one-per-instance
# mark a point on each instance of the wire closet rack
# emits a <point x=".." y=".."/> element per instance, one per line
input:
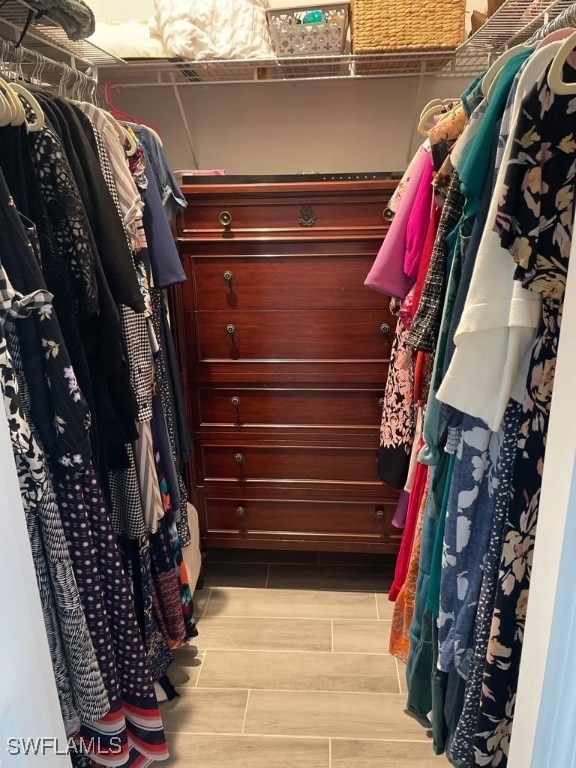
<point x="513" y="23"/>
<point x="50" y="40"/>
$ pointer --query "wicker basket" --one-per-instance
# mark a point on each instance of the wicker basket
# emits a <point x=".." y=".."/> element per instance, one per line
<point x="380" y="26"/>
<point x="293" y="37"/>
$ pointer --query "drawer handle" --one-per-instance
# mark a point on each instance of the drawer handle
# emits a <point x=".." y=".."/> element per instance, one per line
<point x="235" y="401"/>
<point x="307" y="217"/>
<point x="238" y="458"/>
<point x="381" y="402"/>
<point x="387" y="214"/>
<point x="385" y="329"/>
<point x="240" y="511"/>
<point x="230" y="329"/>
<point x="228" y="276"/>
<point x="379" y="515"/>
<point x="225" y="218"/>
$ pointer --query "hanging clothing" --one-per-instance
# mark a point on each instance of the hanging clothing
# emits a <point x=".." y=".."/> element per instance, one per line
<point x="398" y="413"/>
<point x="79" y="681"/>
<point x="387" y="274"/>
<point x="537" y="229"/>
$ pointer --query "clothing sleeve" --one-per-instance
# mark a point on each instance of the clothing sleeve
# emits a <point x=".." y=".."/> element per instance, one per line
<point x="166" y="265"/>
<point x="519" y="209"/>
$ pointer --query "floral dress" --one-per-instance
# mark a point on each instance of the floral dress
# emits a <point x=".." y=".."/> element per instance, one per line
<point x="535" y="223"/>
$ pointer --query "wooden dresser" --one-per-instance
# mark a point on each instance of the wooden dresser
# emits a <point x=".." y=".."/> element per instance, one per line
<point x="284" y="357"/>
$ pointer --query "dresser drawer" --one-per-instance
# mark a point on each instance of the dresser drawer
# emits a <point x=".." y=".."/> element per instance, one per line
<point x="246" y="408"/>
<point x="251" y="215"/>
<point x="299" y="517"/>
<point x="336" y="282"/>
<point x="281" y="463"/>
<point x="295" y="335"/>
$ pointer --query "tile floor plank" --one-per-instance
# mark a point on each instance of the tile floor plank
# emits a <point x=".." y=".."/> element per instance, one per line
<point x="201" y="711"/>
<point x="257" y="634"/>
<point x="354" y="672"/>
<point x="361" y="636"/>
<point x="291" y="603"/>
<point x="344" y="715"/>
<point x="385" y="607"/>
<point x="384" y="754"/>
<point x="186" y="667"/>
<point x="196" y="751"/>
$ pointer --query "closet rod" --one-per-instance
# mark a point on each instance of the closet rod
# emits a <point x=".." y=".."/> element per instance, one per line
<point x="566" y="19"/>
<point x="39" y="62"/>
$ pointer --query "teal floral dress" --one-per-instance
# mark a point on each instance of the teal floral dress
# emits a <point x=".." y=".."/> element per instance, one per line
<point x="535" y="223"/>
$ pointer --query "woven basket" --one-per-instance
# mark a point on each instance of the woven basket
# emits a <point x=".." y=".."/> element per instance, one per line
<point x="380" y="26"/>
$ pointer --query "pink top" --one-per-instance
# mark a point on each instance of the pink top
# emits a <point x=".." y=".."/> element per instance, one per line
<point x="418" y="222"/>
<point x="387" y="274"/>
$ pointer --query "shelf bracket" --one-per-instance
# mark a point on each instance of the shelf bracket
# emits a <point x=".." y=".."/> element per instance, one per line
<point x="416" y="111"/>
<point x="184" y="117"/>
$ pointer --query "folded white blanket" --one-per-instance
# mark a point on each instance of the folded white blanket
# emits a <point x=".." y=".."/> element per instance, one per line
<point x="128" y="40"/>
<point x="213" y="29"/>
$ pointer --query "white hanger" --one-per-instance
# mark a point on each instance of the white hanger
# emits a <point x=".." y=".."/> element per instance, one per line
<point x="27" y="98"/>
<point x="556" y="82"/>
<point x="5" y="111"/>
<point x="123" y="133"/>
<point x="497" y="66"/>
<point x="434" y="107"/>
<point x="18" y="113"/>
<point x="555" y="37"/>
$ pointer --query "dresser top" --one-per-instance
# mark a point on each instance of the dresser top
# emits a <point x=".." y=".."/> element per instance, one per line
<point x="289" y="178"/>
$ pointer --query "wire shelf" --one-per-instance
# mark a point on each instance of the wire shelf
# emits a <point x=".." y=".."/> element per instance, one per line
<point x="513" y="23"/>
<point x="50" y="40"/>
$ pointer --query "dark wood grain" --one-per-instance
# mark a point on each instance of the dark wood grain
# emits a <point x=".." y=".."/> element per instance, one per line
<point x="295" y="335"/>
<point x="275" y="283"/>
<point x="256" y="211"/>
<point x="298" y="463"/>
<point x="243" y="408"/>
<point x="307" y="360"/>
<point x="298" y="517"/>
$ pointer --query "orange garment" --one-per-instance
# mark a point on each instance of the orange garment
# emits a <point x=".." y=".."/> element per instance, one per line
<point x="404" y="605"/>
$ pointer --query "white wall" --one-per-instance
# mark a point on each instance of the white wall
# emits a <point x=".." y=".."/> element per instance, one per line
<point x="283" y="127"/>
<point x="328" y="126"/>
<point x="29" y="705"/>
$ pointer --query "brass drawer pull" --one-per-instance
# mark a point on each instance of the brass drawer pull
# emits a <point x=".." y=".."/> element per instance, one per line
<point x="228" y="276"/>
<point x="238" y="458"/>
<point x="230" y="329"/>
<point x="240" y="511"/>
<point x="381" y="402"/>
<point x="385" y="329"/>
<point x="235" y="401"/>
<point x="379" y="515"/>
<point x="387" y="214"/>
<point x="225" y="218"/>
<point x="307" y="217"/>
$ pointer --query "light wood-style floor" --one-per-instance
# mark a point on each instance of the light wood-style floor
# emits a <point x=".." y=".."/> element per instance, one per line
<point x="291" y="670"/>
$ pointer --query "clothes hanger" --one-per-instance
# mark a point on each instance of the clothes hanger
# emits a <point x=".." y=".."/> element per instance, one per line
<point x="433" y="108"/>
<point x="108" y="88"/>
<point x="556" y="36"/>
<point x="27" y="98"/>
<point x="152" y="131"/>
<point x="5" y="104"/>
<point x="18" y="113"/>
<point x="556" y="80"/>
<point x="497" y="67"/>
